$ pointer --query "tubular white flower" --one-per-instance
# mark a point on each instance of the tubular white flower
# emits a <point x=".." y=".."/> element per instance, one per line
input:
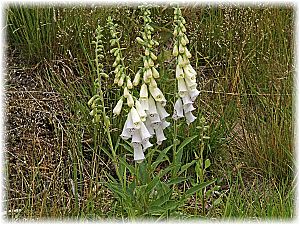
<point x="182" y="89"/>
<point x="152" y="112"/>
<point x="140" y="110"/>
<point x="129" y="83"/>
<point x="125" y="135"/>
<point x="191" y="84"/>
<point x="161" y="111"/>
<point x="189" y="69"/>
<point x="118" y="107"/>
<point x="179" y="72"/>
<point x="187" y="53"/>
<point x="189" y="117"/>
<point x="144" y="91"/>
<point x="175" y="49"/>
<point x="188" y="107"/>
<point x="144" y="132"/>
<point x="194" y="94"/>
<point x="138" y="154"/>
<point x="160" y="137"/>
<point x="136" y="137"/>
<point x="165" y="124"/>
<point x="149" y="126"/>
<point x="156" y="94"/>
<point x="144" y="104"/>
<point x="146" y="144"/>
<point x="178" y="109"/>
<point x="186" y="100"/>
<point x="136" y="120"/>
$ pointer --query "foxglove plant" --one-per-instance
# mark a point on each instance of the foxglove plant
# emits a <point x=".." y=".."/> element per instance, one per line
<point x="134" y="126"/>
<point x="151" y="97"/>
<point x="185" y="73"/>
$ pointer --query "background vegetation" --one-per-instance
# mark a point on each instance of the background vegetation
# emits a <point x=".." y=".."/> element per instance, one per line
<point x="56" y="165"/>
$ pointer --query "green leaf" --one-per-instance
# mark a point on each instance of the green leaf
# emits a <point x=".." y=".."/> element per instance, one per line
<point x="152" y="184"/>
<point x="186" y="141"/>
<point x="161" y="200"/>
<point x="161" y="157"/>
<point x="186" y="166"/>
<point x="177" y="180"/>
<point x="198" y="187"/>
<point x="129" y="167"/>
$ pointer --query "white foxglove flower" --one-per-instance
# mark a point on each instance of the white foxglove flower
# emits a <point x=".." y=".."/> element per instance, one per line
<point x="140" y="110"/>
<point x="136" y="120"/>
<point x="160" y="137"/>
<point x="179" y="72"/>
<point x="144" y="133"/>
<point x="189" y="117"/>
<point x="138" y="154"/>
<point x="178" y="109"/>
<point x="152" y="112"/>
<point x="187" y="53"/>
<point x="146" y="144"/>
<point x="187" y="100"/>
<point x="136" y="137"/>
<point x="153" y="82"/>
<point x="165" y="124"/>
<point x="190" y="84"/>
<point x="156" y="93"/>
<point x="161" y="111"/>
<point x="144" y="91"/>
<point x="149" y="126"/>
<point x="188" y="107"/>
<point x="118" y="107"/>
<point x="188" y="69"/>
<point x="182" y="89"/>
<point x="125" y="135"/>
<point x="194" y="94"/>
<point x="144" y="104"/>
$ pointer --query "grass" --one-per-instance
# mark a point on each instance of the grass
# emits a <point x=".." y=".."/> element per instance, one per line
<point x="56" y="164"/>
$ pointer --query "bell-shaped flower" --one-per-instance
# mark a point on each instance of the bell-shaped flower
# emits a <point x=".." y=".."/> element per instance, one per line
<point x="136" y="120"/>
<point x="125" y="135"/>
<point x="181" y="48"/>
<point x="191" y="84"/>
<point x="188" y="107"/>
<point x="189" y="70"/>
<point x="165" y="124"/>
<point x="146" y="144"/>
<point x="138" y="154"/>
<point x="144" y="133"/>
<point x="118" y="107"/>
<point x="136" y="137"/>
<point x="156" y="94"/>
<point x="189" y="117"/>
<point x="182" y="89"/>
<point x="178" y="109"/>
<point x="186" y="100"/>
<point x="160" y="137"/>
<point x="144" y="91"/>
<point x="152" y="82"/>
<point x="149" y="126"/>
<point x="179" y="72"/>
<point x="161" y="111"/>
<point x="193" y="94"/>
<point x="152" y="112"/>
<point x="129" y="83"/>
<point x="140" y="110"/>
<point x="187" y="53"/>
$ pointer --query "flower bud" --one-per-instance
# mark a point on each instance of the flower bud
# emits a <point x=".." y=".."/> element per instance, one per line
<point x="137" y="78"/>
<point x="153" y="82"/>
<point x="129" y="83"/>
<point x="175" y="50"/>
<point x="150" y="62"/>
<point x="154" y="57"/>
<point x="121" y="80"/>
<point x="118" y="107"/>
<point x="130" y="101"/>
<point x="181" y="48"/>
<point x="155" y="73"/>
<point x="140" y="40"/>
<point x="126" y="92"/>
<point x="147" y="52"/>
<point x="144" y="91"/>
